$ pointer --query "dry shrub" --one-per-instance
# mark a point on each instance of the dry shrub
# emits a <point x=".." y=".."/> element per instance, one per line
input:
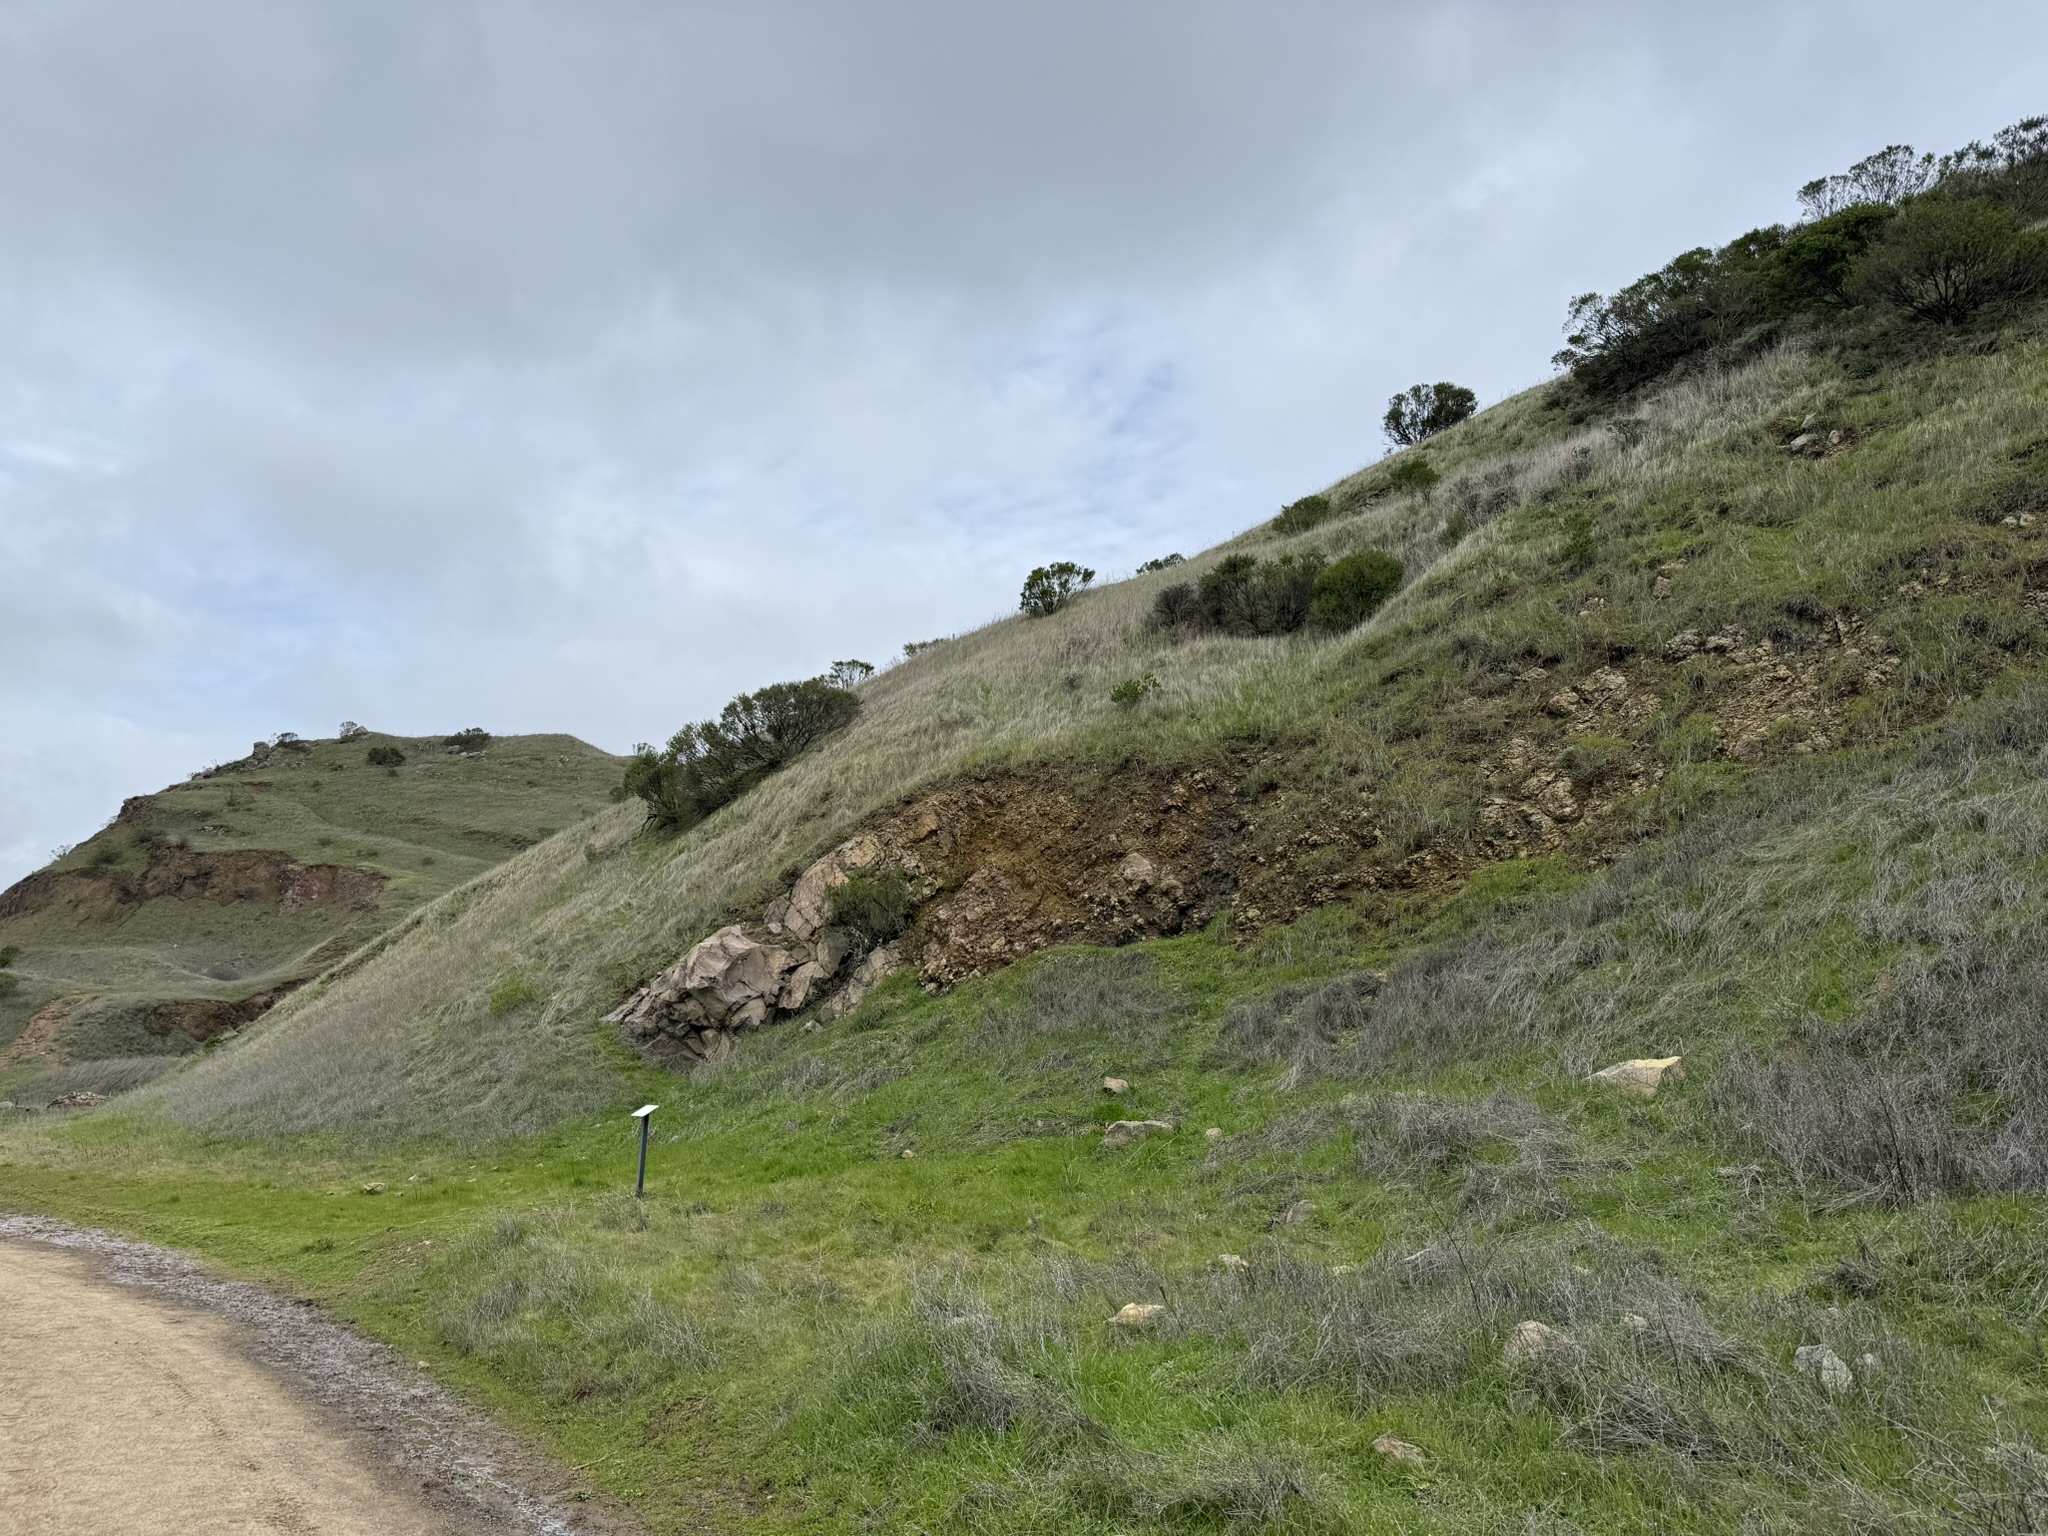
<point x="950" y="1363"/>
<point x="1119" y="996"/>
<point x="1427" y="1320"/>
<point x="1304" y="1027"/>
<point x="1224" y="1481"/>
<point x="513" y="1294"/>
<point x="1941" y="1088"/>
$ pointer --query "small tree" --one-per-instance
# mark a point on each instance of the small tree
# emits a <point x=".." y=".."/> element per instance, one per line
<point x="1351" y="591"/>
<point x="714" y="762"/>
<point x="1812" y="267"/>
<point x="1889" y="177"/>
<point x="1945" y="259"/>
<point x="1425" y="410"/>
<point x="350" y="730"/>
<point x="849" y="674"/>
<point x="1050" y="588"/>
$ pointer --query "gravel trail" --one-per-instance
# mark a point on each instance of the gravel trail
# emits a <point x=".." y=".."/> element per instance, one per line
<point x="140" y="1395"/>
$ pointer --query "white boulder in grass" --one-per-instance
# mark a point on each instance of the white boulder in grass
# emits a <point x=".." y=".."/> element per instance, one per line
<point x="1115" y="1085"/>
<point x="1825" y="1366"/>
<point x="1643" y="1076"/>
<point x="1532" y="1340"/>
<point x="1138" y="1314"/>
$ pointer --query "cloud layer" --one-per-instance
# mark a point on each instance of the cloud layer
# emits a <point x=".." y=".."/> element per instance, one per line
<point x="572" y="367"/>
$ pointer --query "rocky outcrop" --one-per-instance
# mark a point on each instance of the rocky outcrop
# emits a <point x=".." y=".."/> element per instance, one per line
<point x="243" y="874"/>
<point x="998" y="867"/>
<point x="747" y="975"/>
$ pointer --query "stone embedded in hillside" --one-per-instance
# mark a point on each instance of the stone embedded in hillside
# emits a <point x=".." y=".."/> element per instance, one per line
<point x="1115" y="1085"/>
<point x="1641" y="1077"/>
<point x="1682" y="646"/>
<point x="1825" y="1366"/>
<point x="801" y="983"/>
<point x="1121" y="1133"/>
<point x="1232" y="1261"/>
<point x="1138" y="1314"/>
<point x="79" y="1100"/>
<point x="1531" y="1340"/>
<point x="1294" y="1215"/>
<point x="876" y="968"/>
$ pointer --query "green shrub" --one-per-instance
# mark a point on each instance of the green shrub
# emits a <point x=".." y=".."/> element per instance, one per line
<point x="849" y="674"/>
<point x="1581" y="546"/>
<point x="1302" y="515"/>
<point x="383" y="757"/>
<point x="350" y="731"/>
<point x="1164" y="562"/>
<point x="1945" y="260"/>
<point x="873" y="905"/>
<point x="474" y="739"/>
<point x="1427" y="409"/>
<point x="1050" y="588"/>
<point x="1132" y="689"/>
<point x="714" y="762"/>
<point x="9" y="955"/>
<point x="1242" y="595"/>
<point x="1412" y="472"/>
<point x="1351" y="591"/>
<point x="1812" y="267"/>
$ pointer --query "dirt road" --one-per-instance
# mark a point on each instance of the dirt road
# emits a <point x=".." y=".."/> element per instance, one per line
<point x="138" y="1395"/>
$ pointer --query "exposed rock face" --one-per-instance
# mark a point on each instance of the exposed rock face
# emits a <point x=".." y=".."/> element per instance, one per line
<point x="998" y="866"/>
<point x="246" y="874"/>
<point x="747" y="975"/>
<point x="205" y="1018"/>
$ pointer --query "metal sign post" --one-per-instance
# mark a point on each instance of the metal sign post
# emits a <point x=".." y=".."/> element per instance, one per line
<point x="645" y="1115"/>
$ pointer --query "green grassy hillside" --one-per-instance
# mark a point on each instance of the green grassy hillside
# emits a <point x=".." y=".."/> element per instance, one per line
<point x="1711" y="722"/>
<point x="196" y="907"/>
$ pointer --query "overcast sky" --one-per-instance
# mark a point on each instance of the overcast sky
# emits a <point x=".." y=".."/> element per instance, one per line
<point x="572" y="366"/>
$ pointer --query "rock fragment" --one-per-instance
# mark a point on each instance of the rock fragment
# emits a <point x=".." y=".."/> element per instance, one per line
<point x="1642" y="1076"/>
<point x="1396" y="1452"/>
<point x="1825" y="1366"/>
<point x="1138" y="1314"/>
<point x="1531" y="1340"/>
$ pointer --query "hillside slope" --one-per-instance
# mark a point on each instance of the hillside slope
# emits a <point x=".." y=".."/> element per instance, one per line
<point x="1600" y="628"/>
<point x="1225" y="1153"/>
<point x="198" y="907"/>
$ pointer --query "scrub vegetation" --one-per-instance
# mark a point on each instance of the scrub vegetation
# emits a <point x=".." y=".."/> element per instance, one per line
<point x="1703" y="716"/>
